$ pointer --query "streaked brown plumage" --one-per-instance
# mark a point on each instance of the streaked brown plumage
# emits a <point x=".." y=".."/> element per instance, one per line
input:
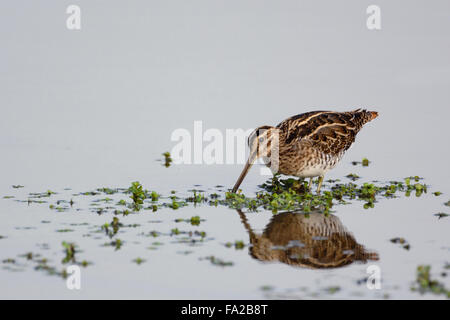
<point x="306" y="145"/>
<point x="313" y="241"/>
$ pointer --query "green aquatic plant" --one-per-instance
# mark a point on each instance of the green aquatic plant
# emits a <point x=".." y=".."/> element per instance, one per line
<point x="175" y="202"/>
<point x="441" y="215"/>
<point x="9" y="260"/>
<point x="155" y="196"/>
<point x="292" y="194"/>
<point x="122" y="203"/>
<point x="333" y="290"/>
<point x="117" y="243"/>
<point x="195" y="221"/>
<point x="219" y="262"/>
<point x="404" y="244"/>
<point x="174" y="205"/>
<point x="196" y="198"/>
<point x="353" y="176"/>
<point x="365" y="162"/>
<point x="139" y="261"/>
<point x="69" y="249"/>
<point x="112" y="228"/>
<point x="138" y="195"/>
<point x="425" y="284"/>
<point x="167" y="159"/>
<point x="238" y="244"/>
<point x="108" y="190"/>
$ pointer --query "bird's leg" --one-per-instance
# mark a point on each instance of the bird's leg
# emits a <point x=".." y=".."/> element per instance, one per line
<point x="310" y="184"/>
<point x="320" y="184"/>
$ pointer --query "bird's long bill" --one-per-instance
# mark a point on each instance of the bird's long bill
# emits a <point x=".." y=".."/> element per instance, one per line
<point x="244" y="172"/>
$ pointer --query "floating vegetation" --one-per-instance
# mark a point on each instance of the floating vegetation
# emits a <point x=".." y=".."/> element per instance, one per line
<point x="218" y="262"/>
<point x="447" y="203"/>
<point x="9" y="260"/>
<point x="353" y="176"/>
<point x="404" y="244"/>
<point x="108" y="190"/>
<point x="332" y="290"/>
<point x="365" y="162"/>
<point x="291" y="194"/>
<point x="441" y="215"/>
<point x="58" y="208"/>
<point x="139" y="261"/>
<point x="69" y="249"/>
<point x="122" y="203"/>
<point x="117" y="244"/>
<point x="238" y="244"/>
<point x="167" y="159"/>
<point x="154" y="196"/>
<point x="195" y="221"/>
<point x="276" y="194"/>
<point x="17" y="186"/>
<point x="425" y="284"/>
<point x="112" y="228"/>
<point x="138" y="195"/>
<point x="197" y="198"/>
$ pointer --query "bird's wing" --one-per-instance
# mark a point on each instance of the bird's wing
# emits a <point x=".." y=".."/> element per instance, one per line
<point x="329" y="132"/>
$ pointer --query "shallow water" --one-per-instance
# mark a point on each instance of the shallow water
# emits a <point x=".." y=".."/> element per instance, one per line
<point x="96" y="108"/>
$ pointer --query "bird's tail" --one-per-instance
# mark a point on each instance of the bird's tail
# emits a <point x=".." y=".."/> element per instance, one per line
<point x="372" y="115"/>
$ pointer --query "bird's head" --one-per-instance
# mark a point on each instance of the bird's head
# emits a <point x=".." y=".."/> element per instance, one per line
<point x="262" y="142"/>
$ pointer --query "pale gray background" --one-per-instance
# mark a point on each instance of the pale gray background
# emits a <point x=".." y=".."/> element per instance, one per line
<point x="96" y="107"/>
<point x="80" y="103"/>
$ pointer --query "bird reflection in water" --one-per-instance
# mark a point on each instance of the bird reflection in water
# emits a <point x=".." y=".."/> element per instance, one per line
<point x="311" y="240"/>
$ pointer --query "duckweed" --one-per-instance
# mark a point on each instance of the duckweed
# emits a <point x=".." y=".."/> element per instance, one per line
<point x="219" y="262"/>
<point x="238" y="244"/>
<point x="139" y="261"/>
<point x="425" y="284"/>
<point x="69" y="249"/>
<point x="167" y="159"/>
<point x="404" y="244"/>
<point x="441" y="215"/>
<point x="138" y="195"/>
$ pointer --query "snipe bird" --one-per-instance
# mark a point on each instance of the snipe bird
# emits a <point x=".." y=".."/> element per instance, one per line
<point x="306" y="145"/>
